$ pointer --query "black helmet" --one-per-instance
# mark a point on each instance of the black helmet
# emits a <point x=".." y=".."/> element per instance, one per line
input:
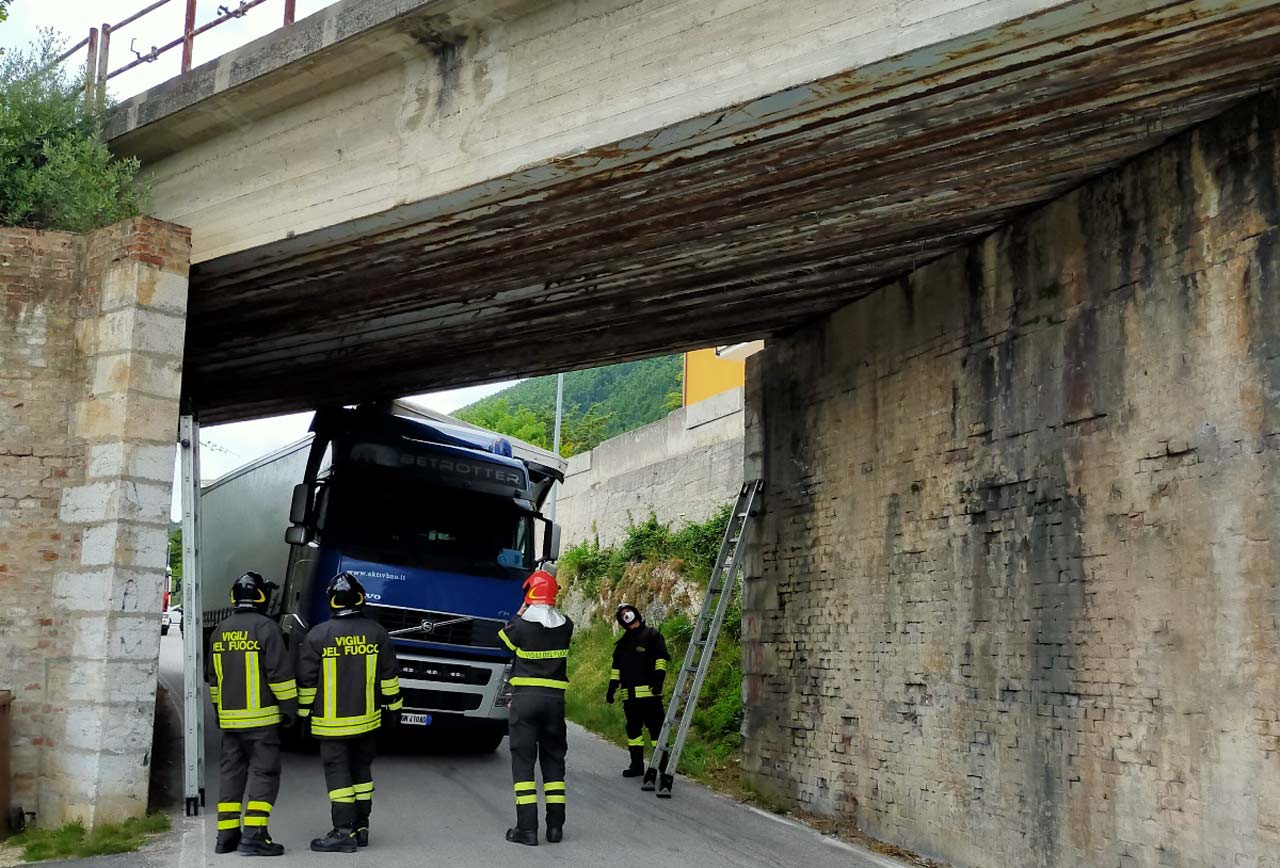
<point x="625" y="610"/>
<point x="249" y="592"/>
<point x="346" y="595"/>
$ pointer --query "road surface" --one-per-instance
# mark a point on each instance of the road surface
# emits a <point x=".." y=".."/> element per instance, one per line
<point x="436" y="810"/>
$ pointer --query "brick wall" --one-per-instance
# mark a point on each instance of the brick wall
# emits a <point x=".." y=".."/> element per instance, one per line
<point x="1017" y="599"/>
<point x="91" y="338"/>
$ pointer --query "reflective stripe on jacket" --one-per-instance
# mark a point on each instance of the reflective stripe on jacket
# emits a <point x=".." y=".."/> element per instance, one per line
<point x="542" y="654"/>
<point x="347" y="673"/>
<point x="249" y="673"/>
<point x="640" y="661"/>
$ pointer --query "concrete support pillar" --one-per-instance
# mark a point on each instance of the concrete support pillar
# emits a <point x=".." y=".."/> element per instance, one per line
<point x="108" y="408"/>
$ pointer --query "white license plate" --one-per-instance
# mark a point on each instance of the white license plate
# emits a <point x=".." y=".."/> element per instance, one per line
<point x="413" y="718"/>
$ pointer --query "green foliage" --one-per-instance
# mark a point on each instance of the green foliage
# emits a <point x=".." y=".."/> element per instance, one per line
<point x="711" y="750"/>
<point x="175" y="563"/>
<point x="4" y="10"/>
<point x="598" y="404"/>
<point x="73" y="842"/>
<point x="695" y="547"/>
<point x="712" y="747"/>
<point x="55" y="171"/>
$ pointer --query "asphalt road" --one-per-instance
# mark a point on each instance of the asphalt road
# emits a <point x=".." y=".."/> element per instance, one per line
<point x="442" y="810"/>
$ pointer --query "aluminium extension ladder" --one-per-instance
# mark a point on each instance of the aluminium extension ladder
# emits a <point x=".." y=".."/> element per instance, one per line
<point x="706" y="630"/>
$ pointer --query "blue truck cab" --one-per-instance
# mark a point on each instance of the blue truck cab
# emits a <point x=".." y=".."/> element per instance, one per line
<point x="442" y="524"/>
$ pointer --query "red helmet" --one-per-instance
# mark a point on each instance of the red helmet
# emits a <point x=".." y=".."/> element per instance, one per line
<point x="541" y="587"/>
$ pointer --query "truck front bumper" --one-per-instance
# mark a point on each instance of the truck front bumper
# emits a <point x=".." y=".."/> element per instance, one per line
<point x="471" y="689"/>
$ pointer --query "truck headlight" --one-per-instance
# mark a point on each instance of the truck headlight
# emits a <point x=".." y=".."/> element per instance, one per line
<point x="504" y="693"/>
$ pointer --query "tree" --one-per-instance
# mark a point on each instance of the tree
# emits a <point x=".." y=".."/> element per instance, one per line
<point x="55" y="170"/>
<point x="4" y="9"/>
<point x="175" y="564"/>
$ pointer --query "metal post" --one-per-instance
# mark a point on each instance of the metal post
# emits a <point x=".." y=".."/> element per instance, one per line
<point x="104" y="66"/>
<point x="188" y="36"/>
<point x="290" y="9"/>
<point x="91" y="69"/>
<point x="192" y="618"/>
<point x="555" y="444"/>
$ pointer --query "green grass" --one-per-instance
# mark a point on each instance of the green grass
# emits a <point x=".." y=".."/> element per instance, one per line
<point x="73" y="842"/>
<point x="711" y="751"/>
<point x="712" y="747"/>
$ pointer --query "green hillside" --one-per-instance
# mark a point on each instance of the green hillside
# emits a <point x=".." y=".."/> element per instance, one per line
<point x="598" y="404"/>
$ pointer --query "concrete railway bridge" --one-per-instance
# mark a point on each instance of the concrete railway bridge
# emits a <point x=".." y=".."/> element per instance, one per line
<point x="1016" y="600"/>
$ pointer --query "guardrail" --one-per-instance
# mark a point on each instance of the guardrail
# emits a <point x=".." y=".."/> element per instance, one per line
<point x="97" y="44"/>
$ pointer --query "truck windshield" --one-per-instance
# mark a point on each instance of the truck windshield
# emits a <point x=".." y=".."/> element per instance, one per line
<point x="378" y="514"/>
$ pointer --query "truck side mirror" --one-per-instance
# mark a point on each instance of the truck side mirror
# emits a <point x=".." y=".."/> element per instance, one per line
<point x="552" y="551"/>
<point x="301" y="500"/>
<point x="296" y="535"/>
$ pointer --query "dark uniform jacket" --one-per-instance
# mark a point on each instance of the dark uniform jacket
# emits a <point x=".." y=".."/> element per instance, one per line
<point x="347" y="673"/>
<point x="640" y="659"/>
<point x="542" y="654"/>
<point x="249" y="673"/>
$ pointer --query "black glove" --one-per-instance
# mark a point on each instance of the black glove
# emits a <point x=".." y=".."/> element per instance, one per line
<point x="613" y="688"/>
<point x="288" y="718"/>
<point x="391" y="718"/>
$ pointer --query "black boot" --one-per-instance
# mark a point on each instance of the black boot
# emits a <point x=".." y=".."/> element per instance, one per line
<point x="228" y="841"/>
<point x="528" y="837"/>
<point x="337" y="841"/>
<point x="650" y="780"/>
<point x="555" y="834"/>
<point x="256" y="842"/>
<point x="637" y="763"/>
<point x="362" y="837"/>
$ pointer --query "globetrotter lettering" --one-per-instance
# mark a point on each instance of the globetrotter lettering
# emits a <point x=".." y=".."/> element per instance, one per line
<point x="349" y="646"/>
<point x="236" y="640"/>
<point x="474" y="470"/>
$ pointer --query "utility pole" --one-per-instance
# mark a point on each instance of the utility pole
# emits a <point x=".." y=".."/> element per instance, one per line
<point x="555" y="444"/>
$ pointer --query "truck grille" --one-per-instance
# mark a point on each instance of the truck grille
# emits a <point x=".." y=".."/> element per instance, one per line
<point x="450" y="673"/>
<point x="472" y="633"/>
<point x="441" y="700"/>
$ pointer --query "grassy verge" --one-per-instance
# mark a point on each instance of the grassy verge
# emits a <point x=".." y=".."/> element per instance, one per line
<point x="73" y="842"/>
<point x="711" y="751"/>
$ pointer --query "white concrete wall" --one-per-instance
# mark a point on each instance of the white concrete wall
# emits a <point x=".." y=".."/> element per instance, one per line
<point x="681" y="468"/>
<point x="471" y="97"/>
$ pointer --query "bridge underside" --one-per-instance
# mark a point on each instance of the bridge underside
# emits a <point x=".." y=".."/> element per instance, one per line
<point x="726" y="227"/>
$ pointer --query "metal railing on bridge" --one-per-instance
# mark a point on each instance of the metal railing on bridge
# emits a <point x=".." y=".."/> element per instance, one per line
<point x="97" y="44"/>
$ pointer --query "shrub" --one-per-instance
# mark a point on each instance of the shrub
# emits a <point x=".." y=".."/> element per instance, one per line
<point x="55" y="171"/>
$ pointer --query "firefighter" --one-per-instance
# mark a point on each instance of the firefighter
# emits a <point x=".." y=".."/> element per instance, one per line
<point x="640" y="660"/>
<point x="539" y="635"/>
<point x="347" y="686"/>
<point x="251" y="682"/>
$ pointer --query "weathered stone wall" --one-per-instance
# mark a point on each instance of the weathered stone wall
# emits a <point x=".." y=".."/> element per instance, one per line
<point x="681" y="469"/>
<point x="91" y="339"/>
<point x="1017" y="599"/>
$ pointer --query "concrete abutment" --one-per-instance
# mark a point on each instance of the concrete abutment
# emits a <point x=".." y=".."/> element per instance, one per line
<point x="1016" y="600"/>
<point x="91" y="338"/>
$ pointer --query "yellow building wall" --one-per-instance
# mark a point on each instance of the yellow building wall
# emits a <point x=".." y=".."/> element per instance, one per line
<point x="706" y="374"/>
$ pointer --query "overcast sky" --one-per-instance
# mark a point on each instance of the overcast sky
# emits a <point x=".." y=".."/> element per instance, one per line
<point x="223" y="447"/>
